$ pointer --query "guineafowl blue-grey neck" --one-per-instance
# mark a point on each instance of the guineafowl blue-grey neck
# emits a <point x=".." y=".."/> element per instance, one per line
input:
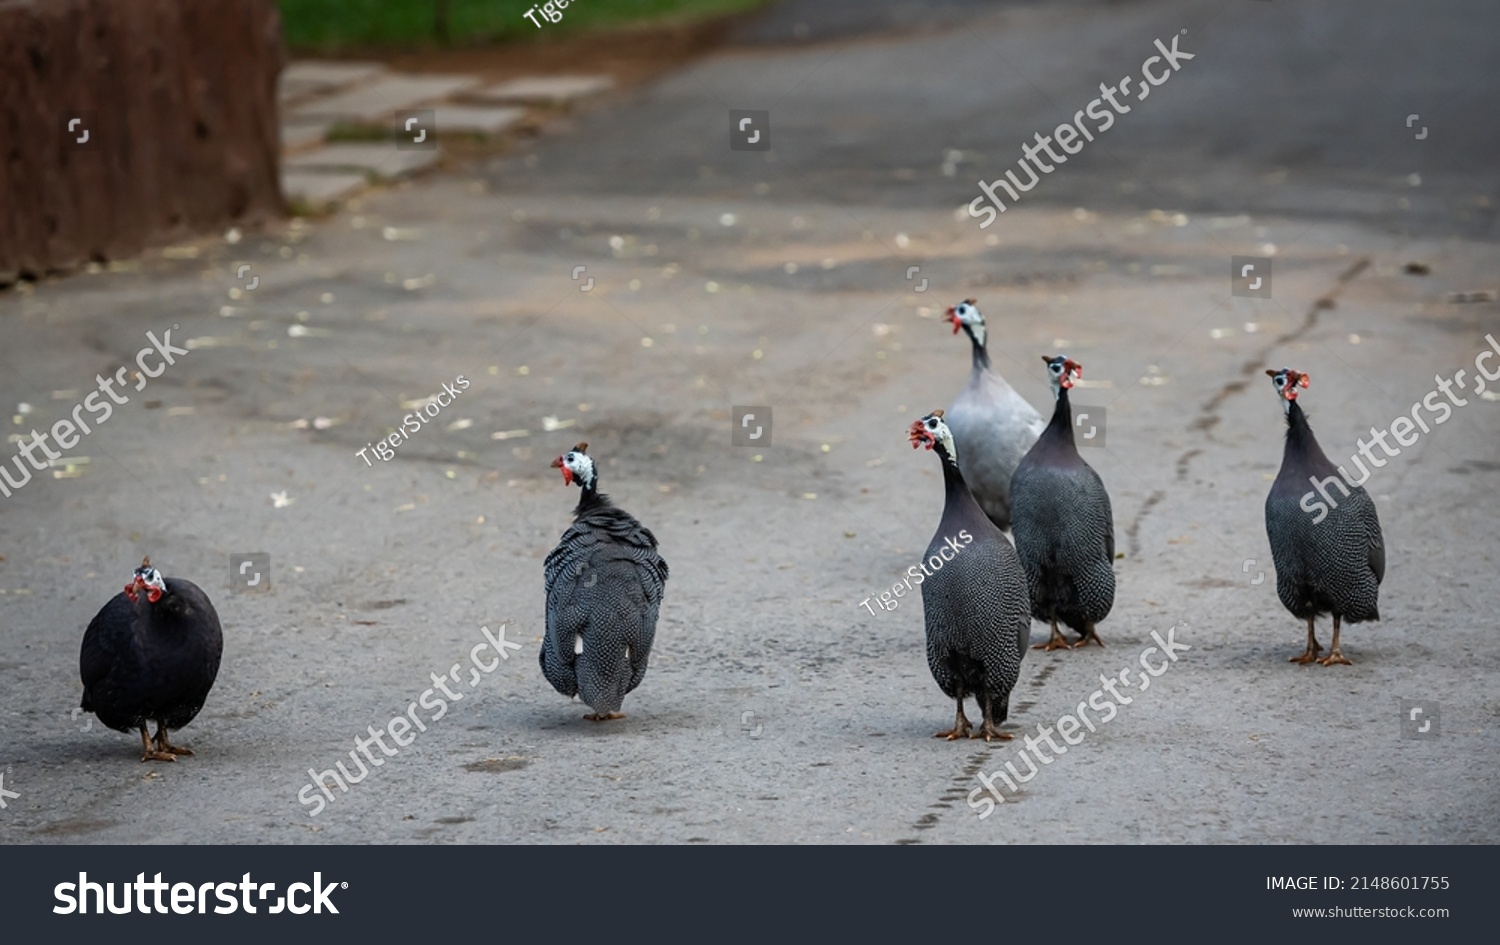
<point x="151" y="655"/>
<point x="993" y="426"/>
<point x="974" y="599"/>
<point x="1064" y="526"/>
<point x="1325" y="563"/>
<point x="604" y="585"/>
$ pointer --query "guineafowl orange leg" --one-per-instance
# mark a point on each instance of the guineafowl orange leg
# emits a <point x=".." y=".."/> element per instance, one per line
<point x="961" y="727"/>
<point x="1090" y="634"/>
<point x="149" y="751"/>
<point x="1313" y="647"/>
<point x="1334" y="656"/>
<point x="1055" y="643"/>
<point x="603" y="716"/>
<point x="163" y="745"/>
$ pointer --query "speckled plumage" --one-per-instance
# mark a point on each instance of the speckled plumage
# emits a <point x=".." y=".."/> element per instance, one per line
<point x="147" y="662"/>
<point x="1064" y="528"/>
<point x="993" y="426"/>
<point x="604" y="584"/>
<point x="1333" y="566"/>
<point x="974" y="606"/>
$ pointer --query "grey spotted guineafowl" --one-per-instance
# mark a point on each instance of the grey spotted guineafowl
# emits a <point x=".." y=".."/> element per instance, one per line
<point x="973" y="597"/>
<point x="1330" y="557"/>
<point x="1064" y="527"/>
<point x="604" y="587"/>
<point x="151" y="655"/>
<point x="993" y="426"/>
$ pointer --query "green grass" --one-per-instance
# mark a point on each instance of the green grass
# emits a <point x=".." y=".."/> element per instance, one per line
<point x="331" y="24"/>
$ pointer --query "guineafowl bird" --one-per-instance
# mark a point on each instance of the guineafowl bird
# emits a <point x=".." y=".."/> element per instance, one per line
<point x="1064" y="528"/>
<point x="992" y="425"/>
<point x="1330" y="557"/>
<point x="151" y="655"/>
<point x="604" y="587"/>
<point x="974" y="599"/>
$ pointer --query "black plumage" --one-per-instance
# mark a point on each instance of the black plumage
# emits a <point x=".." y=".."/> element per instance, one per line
<point x="151" y="655"/>
<point x="974" y="601"/>
<point x="1329" y="556"/>
<point x="604" y="584"/>
<point x="1063" y="523"/>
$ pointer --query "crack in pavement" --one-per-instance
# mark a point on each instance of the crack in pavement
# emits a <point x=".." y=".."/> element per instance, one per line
<point x="962" y="782"/>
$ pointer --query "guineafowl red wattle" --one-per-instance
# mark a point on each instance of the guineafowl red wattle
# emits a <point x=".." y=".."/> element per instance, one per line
<point x="992" y="425"/>
<point x="604" y="588"/>
<point x="1064" y="527"/>
<point x="974" y="600"/>
<point x="1329" y="556"/>
<point x="151" y="655"/>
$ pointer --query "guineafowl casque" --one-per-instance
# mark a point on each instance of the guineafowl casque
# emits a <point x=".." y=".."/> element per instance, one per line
<point x="1329" y="563"/>
<point x="1064" y="528"/>
<point x="151" y="655"/>
<point x="604" y="585"/>
<point x="992" y="425"/>
<point x="974" y="599"/>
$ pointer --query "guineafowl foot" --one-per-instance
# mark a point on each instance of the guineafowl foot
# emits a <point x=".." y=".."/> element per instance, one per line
<point x="1056" y="642"/>
<point x="1313" y="648"/>
<point x="990" y="733"/>
<point x="162" y="745"/>
<point x="149" y="751"/>
<point x="961" y="727"/>
<point x="1092" y="636"/>
<point x="1335" y="655"/>
<point x="603" y="716"/>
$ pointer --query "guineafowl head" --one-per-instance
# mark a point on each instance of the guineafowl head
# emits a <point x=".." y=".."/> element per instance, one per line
<point x="966" y="315"/>
<point x="147" y="579"/>
<point x="577" y="466"/>
<point x="1286" y="382"/>
<point x="1062" y="370"/>
<point x="932" y="432"/>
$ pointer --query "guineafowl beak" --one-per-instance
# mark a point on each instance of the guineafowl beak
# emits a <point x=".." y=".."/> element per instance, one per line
<point x="567" y="473"/>
<point x="953" y="317"/>
<point x="153" y="588"/>
<point x="1287" y="381"/>
<point x="919" y="435"/>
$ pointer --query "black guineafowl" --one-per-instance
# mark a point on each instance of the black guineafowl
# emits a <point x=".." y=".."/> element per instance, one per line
<point x="1064" y="527"/>
<point x="973" y="597"/>
<point x="604" y="584"/>
<point x="151" y="655"/>
<point x="1330" y="557"/>
<point x="993" y="426"/>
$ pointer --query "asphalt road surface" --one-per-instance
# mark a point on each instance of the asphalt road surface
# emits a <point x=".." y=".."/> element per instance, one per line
<point x="777" y="708"/>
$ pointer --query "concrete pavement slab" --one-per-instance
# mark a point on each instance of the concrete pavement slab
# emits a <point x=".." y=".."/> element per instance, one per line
<point x="378" y="101"/>
<point x="547" y="90"/>
<point x="382" y="159"/>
